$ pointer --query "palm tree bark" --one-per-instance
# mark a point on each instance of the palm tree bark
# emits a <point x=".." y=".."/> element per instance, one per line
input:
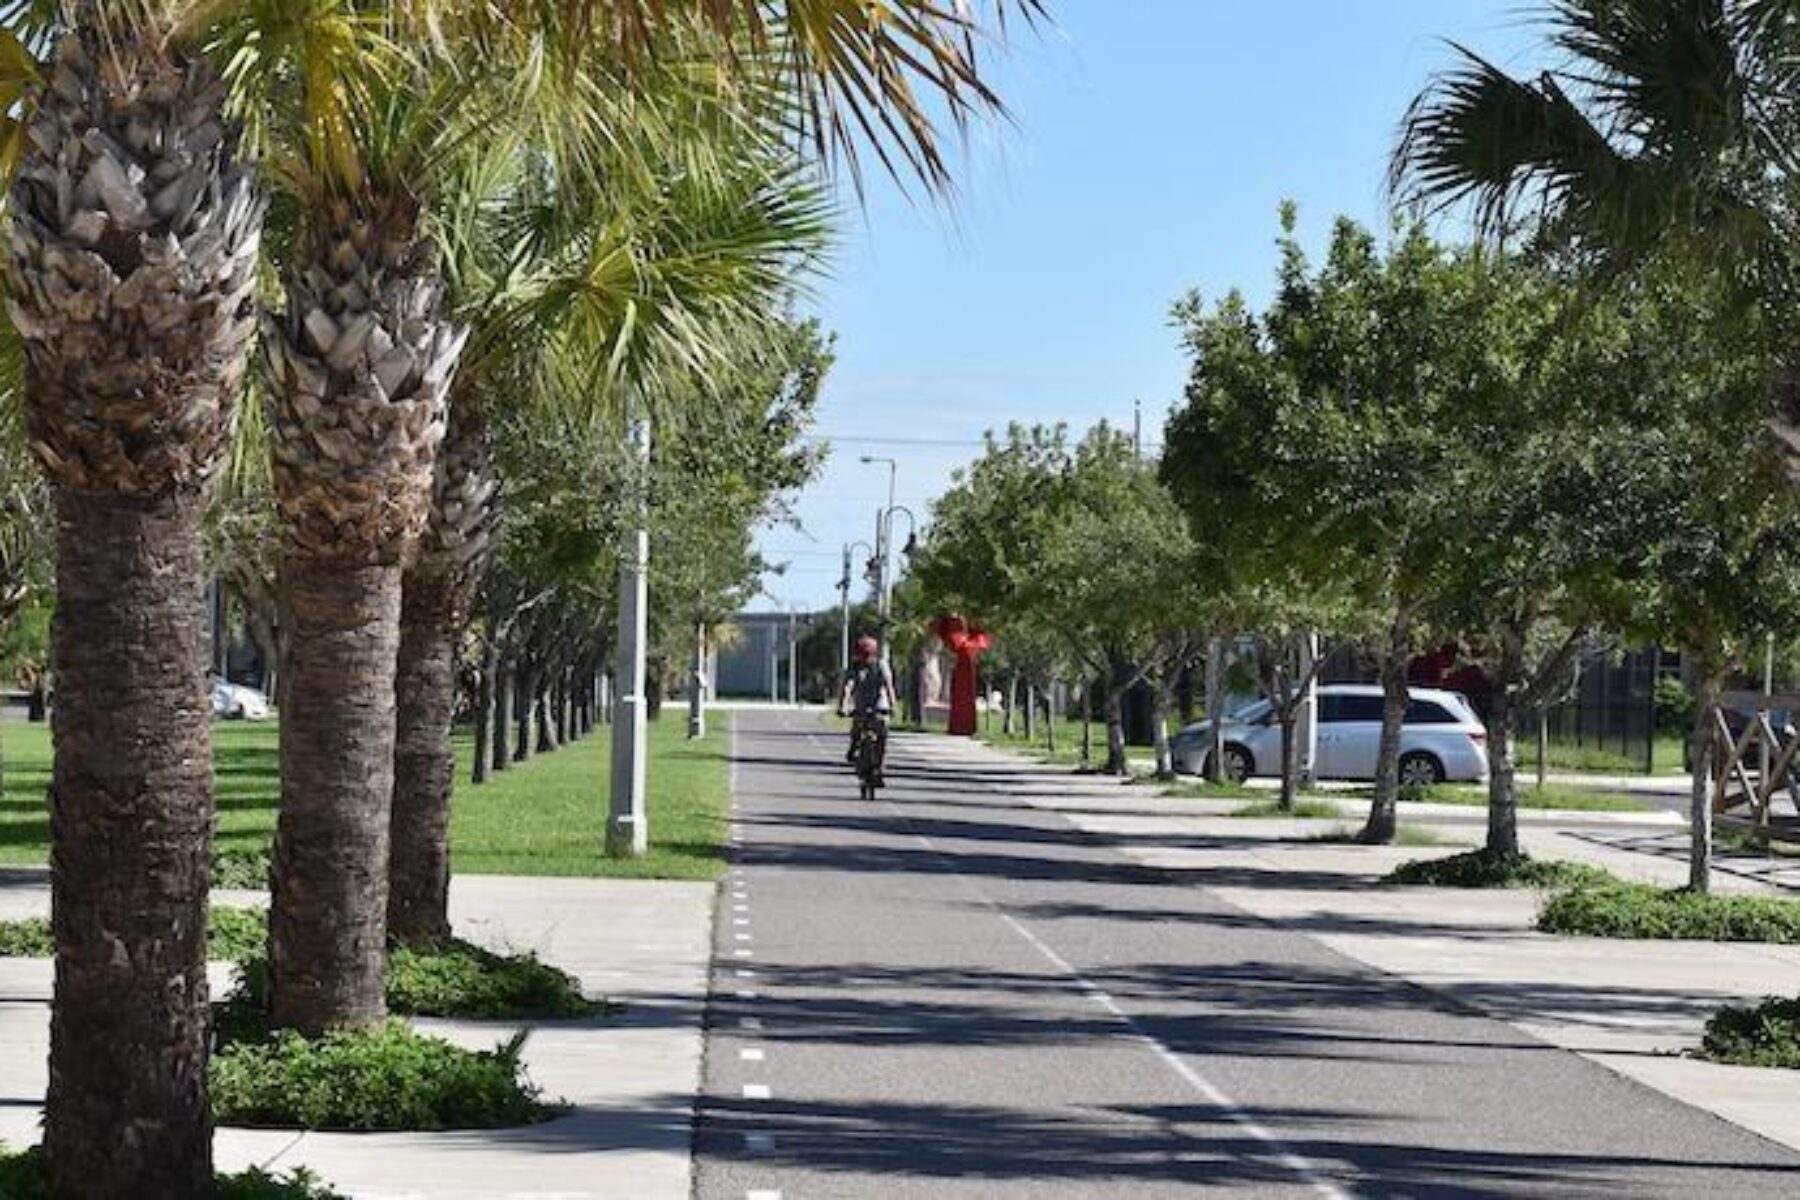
<point x="434" y="609"/>
<point x="131" y="270"/>
<point x="361" y="363"/>
<point x="424" y="766"/>
<point x="131" y="821"/>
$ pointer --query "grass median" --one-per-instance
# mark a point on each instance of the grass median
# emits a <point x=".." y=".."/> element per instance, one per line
<point x="545" y="816"/>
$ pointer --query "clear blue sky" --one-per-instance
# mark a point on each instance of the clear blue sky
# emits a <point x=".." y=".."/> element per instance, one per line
<point x="1151" y="145"/>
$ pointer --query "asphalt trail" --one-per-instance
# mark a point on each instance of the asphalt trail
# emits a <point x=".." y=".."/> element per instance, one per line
<point x="951" y="993"/>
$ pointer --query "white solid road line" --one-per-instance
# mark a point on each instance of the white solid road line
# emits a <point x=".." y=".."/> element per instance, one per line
<point x="762" y="1194"/>
<point x="756" y="1091"/>
<point x="751" y="1054"/>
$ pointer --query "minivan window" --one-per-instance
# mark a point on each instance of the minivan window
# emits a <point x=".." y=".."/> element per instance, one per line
<point x="1428" y="712"/>
<point x="1356" y="708"/>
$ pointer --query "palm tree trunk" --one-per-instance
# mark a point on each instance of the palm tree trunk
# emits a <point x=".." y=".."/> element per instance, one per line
<point x="524" y="693"/>
<point x="361" y="362"/>
<point x="328" y="917"/>
<point x="131" y="267"/>
<point x="424" y="765"/>
<point x="503" y="696"/>
<point x="484" y="713"/>
<point x="131" y="821"/>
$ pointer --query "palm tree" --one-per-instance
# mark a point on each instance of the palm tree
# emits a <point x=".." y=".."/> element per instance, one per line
<point x="614" y="284"/>
<point x="134" y="240"/>
<point x="364" y="357"/>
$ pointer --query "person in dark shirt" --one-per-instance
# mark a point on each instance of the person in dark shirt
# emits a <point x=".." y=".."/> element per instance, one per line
<point x="867" y="694"/>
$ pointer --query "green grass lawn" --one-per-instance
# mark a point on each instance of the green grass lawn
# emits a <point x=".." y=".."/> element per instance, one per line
<point x="1577" y="799"/>
<point x="1565" y="755"/>
<point x="543" y="817"/>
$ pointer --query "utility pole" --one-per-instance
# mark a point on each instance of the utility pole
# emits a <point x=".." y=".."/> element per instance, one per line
<point x="793" y="663"/>
<point x="627" y="828"/>
<point x="1137" y="430"/>
<point x="883" y="547"/>
<point x="844" y="619"/>
<point x="697" y="685"/>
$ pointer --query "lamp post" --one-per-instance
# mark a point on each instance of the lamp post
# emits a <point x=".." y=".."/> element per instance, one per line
<point x="627" y="834"/>
<point x="844" y="597"/>
<point x="887" y="564"/>
<point x="883" y="548"/>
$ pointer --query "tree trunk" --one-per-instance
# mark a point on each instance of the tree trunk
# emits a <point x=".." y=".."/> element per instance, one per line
<point x="1705" y="757"/>
<point x="1384" y="810"/>
<point x="1215" y="706"/>
<point x="1116" y="761"/>
<point x="501" y="756"/>
<point x="1012" y="704"/>
<point x="1502" y="747"/>
<point x="545" y="704"/>
<point x="1159" y="726"/>
<point x="1030" y="712"/>
<point x="1289" y="714"/>
<point x="1543" y="744"/>
<point x="524" y="694"/>
<point x="131" y="826"/>
<point x="559" y="696"/>
<point x="484" y="712"/>
<point x="1050" y="715"/>
<point x="329" y="890"/>
<point x="1087" y="724"/>
<point x="424" y="765"/>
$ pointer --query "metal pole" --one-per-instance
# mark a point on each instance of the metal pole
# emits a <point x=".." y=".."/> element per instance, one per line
<point x="844" y="633"/>
<point x="1308" y="732"/>
<point x="793" y="663"/>
<point x="627" y="827"/>
<point x="697" y="701"/>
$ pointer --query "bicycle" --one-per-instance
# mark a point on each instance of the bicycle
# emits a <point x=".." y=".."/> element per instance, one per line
<point x="869" y="754"/>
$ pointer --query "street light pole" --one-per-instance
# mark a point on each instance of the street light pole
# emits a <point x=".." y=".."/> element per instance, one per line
<point x="884" y="545"/>
<point x="627" y="831"/>
<point x="793" y="663"/>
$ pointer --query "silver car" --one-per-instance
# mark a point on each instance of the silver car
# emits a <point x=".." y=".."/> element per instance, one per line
<point x="1442" y="739"/>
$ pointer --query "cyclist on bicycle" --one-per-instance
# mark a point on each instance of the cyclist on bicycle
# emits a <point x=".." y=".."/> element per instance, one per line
<point x="867" y="694"/>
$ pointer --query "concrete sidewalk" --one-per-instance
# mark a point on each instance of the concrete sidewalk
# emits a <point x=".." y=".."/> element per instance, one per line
<point x="631" y="1079"/>
<point x="1632" y="1006"/>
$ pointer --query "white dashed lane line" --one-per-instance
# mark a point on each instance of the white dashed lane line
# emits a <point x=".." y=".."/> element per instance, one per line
<point x="756" y="1091"/>
<point x="750" y="1054"/>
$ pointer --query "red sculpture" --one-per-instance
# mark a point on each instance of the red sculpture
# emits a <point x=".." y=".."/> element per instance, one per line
<point x="966" y="643"/>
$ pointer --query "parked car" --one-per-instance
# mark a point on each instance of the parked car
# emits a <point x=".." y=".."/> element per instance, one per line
<point x="235" y="702"/>
<point x="1442" y="738"/>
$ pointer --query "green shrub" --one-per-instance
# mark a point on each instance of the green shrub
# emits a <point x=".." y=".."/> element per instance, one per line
<point x="22" y="1178"/>
<point x="241" y="867"/>
<point x="1765" y="1036"/>
<point x="460" y="979"/>
<point x="236" y="934"/>
<point x="26" y="938"/>
<point x="1673" y="704"/>
<point x="454" y="979"/>
<point x="1635" y="910"/>
<point x="1345" y="835"/>
<point x="233" y="935"/>
<point x="1482" y="869"/>
<point x="387" y="1077"/>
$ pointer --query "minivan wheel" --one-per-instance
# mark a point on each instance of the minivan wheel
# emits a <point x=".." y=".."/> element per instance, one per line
<point x="1420" y="771"/>
<point x="1238" y="765"/>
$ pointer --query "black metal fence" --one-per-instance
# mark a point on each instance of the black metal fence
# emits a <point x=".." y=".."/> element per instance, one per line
<point x="1611" y="718"/>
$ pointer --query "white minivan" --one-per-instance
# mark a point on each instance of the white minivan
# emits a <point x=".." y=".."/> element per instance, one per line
<point x="1442" y="739"/>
